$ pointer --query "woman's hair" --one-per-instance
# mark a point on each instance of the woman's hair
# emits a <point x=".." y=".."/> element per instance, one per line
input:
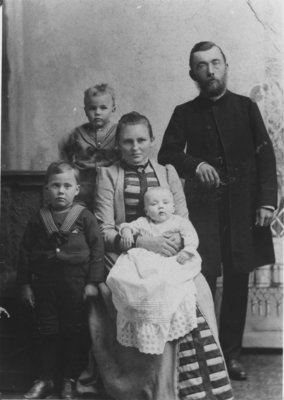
<point x="58" y="167"/>
<point x="101" y="88"/>
<point x="203" y="46"/>
<point x="133" y="118"/>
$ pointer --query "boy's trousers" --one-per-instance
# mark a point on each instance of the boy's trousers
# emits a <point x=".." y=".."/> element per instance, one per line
<point x="61" y="318"/>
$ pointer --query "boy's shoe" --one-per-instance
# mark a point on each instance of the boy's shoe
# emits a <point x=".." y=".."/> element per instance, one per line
<point x="40" y="390"/>
<point x="69" y="389"/>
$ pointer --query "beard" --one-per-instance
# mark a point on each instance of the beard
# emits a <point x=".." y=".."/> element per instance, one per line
<point x="213" y="87"/>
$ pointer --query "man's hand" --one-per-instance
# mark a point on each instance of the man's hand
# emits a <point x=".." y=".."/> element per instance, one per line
<point x="166" y="246"/>
<point x="208" y="175"/>
<point x="264" y="216"/>
<point x="27" y="295"/>
<point x="90" y="291"/>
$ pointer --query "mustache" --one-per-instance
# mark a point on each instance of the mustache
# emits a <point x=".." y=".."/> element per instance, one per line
<point x="212" y="80"/>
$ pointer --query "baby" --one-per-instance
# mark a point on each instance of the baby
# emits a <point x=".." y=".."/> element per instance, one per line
<point x="159" y="207"/>
<point x="154" y="295"/>
<point x="92" y="144"/>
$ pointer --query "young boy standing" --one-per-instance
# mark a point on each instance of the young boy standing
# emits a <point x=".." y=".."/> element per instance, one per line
<point x="92" y="144"/>
<point x="60" y="265"/>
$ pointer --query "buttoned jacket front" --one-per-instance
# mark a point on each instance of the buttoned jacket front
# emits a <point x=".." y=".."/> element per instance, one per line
<point x="251" y="174"/>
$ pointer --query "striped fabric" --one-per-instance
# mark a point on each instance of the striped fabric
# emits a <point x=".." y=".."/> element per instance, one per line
<point x="71" y="217"/>
<point x="202" y="372"/>
<point x="132" y="189"/>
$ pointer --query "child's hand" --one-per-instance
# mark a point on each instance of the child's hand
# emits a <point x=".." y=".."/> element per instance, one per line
<point x="126" y="243"/>
<point x="90" y="290"/>
<point x="183" y="256"/>
<point x="126" y="240"/>
<point x="27" y="295"/>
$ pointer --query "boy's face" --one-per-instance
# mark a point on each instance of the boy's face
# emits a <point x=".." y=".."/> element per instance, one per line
<point x="99" y="109"/>
<point x="61" y="190"/>
<point x="159" y="205"/>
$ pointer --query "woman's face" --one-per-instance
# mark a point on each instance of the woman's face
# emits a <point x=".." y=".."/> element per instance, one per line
<point x="134" y="144"/>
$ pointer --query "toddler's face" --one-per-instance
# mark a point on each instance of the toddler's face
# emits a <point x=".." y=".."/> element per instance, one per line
<point x="99" y="109"/>
<point x="61" y="190"/>
<point x="159" y="205"/>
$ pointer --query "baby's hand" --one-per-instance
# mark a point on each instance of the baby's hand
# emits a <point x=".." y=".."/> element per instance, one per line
<point x="183" y="256"/>
<point x="126" y="238"/>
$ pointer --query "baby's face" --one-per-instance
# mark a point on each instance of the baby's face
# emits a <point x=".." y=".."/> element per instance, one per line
<point x="99" y="109"/>
<point x="159" y="204"/>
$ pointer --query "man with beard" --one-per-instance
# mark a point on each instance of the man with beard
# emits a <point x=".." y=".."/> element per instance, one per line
<point x="230" y="186"/>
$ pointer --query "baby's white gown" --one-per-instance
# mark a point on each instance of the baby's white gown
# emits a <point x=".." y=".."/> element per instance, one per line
<point x="155" y="296"/>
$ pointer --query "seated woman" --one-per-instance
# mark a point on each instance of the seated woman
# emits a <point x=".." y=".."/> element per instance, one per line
<point x="191" y="367"/>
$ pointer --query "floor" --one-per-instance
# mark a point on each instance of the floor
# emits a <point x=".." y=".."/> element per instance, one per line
<point x="265" y="378"/>
<point x="265" y="374"/>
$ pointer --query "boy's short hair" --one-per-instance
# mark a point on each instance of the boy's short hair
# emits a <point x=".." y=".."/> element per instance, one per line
<point x="60" y="166"/>
<point x="101" y="88"/>
<point x="133" y="118"/>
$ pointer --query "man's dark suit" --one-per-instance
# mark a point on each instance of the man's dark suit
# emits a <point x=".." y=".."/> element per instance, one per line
<point x="230" y="135"/>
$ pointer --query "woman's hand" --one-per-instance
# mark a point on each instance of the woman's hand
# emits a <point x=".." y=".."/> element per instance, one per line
<point x="167" y="245"/>
<point x="175" y="238"/>
<point x="27" y="295"/>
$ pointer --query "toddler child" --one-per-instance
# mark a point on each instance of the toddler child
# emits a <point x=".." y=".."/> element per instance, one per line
<point x="92" y="144"/>
<point x="60" y="265"/>
<point x="155" y="296"/>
